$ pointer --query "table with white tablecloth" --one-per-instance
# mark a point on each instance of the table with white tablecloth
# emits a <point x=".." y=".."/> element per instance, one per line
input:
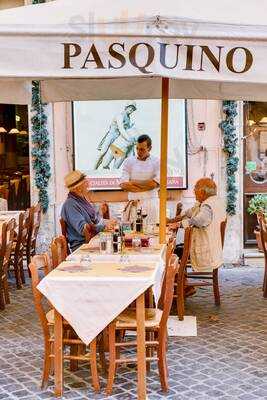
<point x="89" y="294"/>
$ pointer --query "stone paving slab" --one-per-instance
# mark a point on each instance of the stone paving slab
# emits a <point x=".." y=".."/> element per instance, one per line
<point x="226" y="361"/>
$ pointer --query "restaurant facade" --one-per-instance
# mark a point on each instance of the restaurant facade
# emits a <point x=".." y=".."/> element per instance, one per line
<point x="205" y="156"/>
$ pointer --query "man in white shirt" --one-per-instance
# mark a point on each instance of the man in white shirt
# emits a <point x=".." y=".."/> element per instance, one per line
<point x="140" y="178"/>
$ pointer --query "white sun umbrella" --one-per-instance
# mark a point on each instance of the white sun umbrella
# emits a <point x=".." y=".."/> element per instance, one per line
<point x="84" y="50"/>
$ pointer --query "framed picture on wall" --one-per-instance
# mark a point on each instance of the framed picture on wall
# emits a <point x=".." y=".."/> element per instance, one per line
<point x="105" y="134"/>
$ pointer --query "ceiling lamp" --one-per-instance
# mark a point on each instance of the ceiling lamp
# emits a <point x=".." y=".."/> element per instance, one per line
<point x="2" y="130"/>
<point x="23" y="133"/>
<point x="14" y="131"/>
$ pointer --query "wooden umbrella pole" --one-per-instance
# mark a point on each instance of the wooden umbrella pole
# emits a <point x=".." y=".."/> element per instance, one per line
<point x="164" y="158"/>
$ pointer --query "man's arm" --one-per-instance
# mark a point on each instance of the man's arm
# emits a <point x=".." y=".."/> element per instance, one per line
<point x="139" y="186"/>
<point x="201" y="220"/>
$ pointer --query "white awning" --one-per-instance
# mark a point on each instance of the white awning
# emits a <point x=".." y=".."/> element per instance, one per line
<point x="82" y="50"/>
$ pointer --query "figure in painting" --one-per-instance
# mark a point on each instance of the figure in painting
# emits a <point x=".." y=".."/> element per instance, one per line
<point x="119" y="140"/>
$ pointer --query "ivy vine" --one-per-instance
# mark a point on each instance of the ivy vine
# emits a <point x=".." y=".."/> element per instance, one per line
<point x="230" y="139"/>
<point x="40" y="142"/>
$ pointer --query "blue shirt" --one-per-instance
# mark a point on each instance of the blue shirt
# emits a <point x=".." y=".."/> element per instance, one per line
<point x="76" y="212"/>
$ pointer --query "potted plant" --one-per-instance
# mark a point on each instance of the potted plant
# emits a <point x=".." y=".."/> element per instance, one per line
<point x="258" y="205"/>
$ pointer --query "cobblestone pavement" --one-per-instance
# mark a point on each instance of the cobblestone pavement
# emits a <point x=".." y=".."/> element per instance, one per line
<point x="228" y="359"/>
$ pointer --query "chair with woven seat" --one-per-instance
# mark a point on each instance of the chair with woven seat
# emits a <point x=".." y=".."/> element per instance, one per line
<point x="181" y="275"/>
<point x="35" y="221"/>
<point x="263" y="230"/>
<point x="63" y="226"/>
<point x="7" y="237"/>
<point x="89" y="232"/>
<point x="204" y="276"/>
<point x="70" y="338"/>
<point x="16" y="258"/>
<point x="156" y="332"/>
<point x="58" y="250"/>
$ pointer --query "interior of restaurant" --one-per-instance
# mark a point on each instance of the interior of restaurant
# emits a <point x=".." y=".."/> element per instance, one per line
<point x="14" y="156"/>
<point x="255" y="162"/>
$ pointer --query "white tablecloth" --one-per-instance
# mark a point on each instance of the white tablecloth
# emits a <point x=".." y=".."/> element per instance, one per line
<point x="90" y="295"/>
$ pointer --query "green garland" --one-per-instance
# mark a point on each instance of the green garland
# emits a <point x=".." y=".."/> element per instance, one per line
<point x="230" y="148"/>
<point x="40" y="141"/>
<point x="41" y="146"/>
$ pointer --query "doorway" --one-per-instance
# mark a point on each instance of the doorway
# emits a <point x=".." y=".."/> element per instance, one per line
<point x="255" y="162"/>
<point x="14" y="156"/>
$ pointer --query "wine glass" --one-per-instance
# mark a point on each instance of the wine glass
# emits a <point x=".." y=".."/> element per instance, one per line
<point x="144" y="216"/>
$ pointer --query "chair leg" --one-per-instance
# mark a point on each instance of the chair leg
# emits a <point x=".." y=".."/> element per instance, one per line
<point x="162" y="364"/>
<point x="93" y="365"/>
<point x="2" y="297"/>
<point x="6" y="290"/>
<point x="28" y="257"/>
<point x="21" y="270"/>
<point x="46" y="366"/>
<point x="148" y="350"/>
<point x="112" y="358"/>
<point x="265" y="281"/>
<point x="74" y="348"/>
<point x="180" y="299"/>
<point x="17" y="273"/>
<point x="216" y="290"/>
<point x="101" y="350"/>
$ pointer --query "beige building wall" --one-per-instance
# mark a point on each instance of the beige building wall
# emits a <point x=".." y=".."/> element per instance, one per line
<point x="205" y="158"/>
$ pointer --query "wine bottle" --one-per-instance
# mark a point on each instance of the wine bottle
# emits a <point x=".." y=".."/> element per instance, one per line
<point x="139" y="221"/>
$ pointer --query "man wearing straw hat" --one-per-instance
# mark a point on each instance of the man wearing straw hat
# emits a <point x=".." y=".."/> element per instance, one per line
<point x="77" y="211"/>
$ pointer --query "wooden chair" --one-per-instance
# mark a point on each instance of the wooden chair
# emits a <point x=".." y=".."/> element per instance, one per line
<point x="169" y="252"/>
<point x="263" y="231"/>
<point x="104" y="209"/>
<point x="8" y="230"/>
<point x="59" y="250"/>
<point x="156" y="332"/>
<point x="47" y="322"/>
<point x="209" y="275"/>
<point x="16" y="258"/>
<point x="181" y="274"/>
<point x="64" y="233"/>
<point x="35" y="220"/>
<point x="89" y="232"/>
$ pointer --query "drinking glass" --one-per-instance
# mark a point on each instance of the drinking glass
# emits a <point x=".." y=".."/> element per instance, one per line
<point x="103" y="243"/>
<point x="136" y="242"/>
<point x="86" y="260"/>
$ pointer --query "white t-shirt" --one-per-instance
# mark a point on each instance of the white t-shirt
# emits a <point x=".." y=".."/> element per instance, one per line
<point x="138" y="170"/>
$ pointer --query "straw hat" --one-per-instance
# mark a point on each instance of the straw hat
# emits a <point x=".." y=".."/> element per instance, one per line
<point x="74" y="179"/>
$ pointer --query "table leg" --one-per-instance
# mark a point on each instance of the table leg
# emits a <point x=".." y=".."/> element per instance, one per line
<point x="141" y="347"/>
<point x="58" y="350"/>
